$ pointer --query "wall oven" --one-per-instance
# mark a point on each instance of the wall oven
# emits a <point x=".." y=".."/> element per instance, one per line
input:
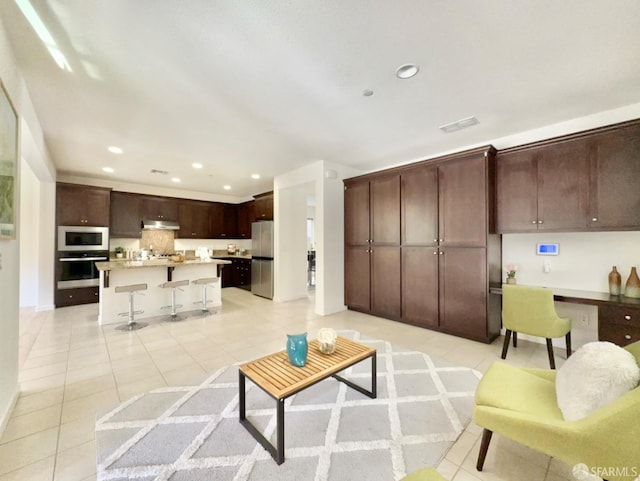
<point x="82" y="238"/>
<point x="78" y="269"/>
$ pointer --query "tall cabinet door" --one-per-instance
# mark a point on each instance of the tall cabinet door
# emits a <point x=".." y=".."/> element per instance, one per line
<point x="615" y="195"/>
<point x="517" y="192"/>
<point x="420" y="285"/>
<point x="356" y="213"/>
<point x="385" y="210"/>
<point x="385" y="281"/>
<point x="357" y="268"/>
<point x="463" y="291"/>
<point x="463" y="202"/>
<point x="563" y="183"/>
<point x="419" y="206"/>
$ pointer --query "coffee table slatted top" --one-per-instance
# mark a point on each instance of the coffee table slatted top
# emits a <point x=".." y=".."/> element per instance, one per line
<point x="280" y="379"/>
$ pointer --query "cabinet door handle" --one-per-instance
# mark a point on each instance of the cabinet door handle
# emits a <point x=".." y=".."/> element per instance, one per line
<point x="534" y="222"/>
<point x="435" y="253"/>
<point x="627" y="337"/>
<point x="628" y="318"/>
<point x="540" y="222"/>
<point x="441" y="240"/>
<point x="595" y="219"/>
<point x="441" y="253"/>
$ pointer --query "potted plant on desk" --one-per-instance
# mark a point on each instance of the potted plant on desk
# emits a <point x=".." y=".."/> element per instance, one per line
<point x="119" y="252"/>
<point x="511" y="273"/>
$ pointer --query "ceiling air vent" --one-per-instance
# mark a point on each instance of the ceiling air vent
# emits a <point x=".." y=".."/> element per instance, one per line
<point x="458" y="125"/>
<point x="156" y="171"/>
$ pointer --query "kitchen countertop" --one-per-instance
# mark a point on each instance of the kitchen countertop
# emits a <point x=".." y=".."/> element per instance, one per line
<point x="230" y="256"/>
<point x="129" y="264"/>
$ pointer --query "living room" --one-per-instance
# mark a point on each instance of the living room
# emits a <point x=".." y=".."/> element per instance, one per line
<point x="610" y="95"/>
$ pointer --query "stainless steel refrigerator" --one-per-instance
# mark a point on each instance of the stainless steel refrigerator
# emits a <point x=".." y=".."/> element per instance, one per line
<point x="262" y="259"/>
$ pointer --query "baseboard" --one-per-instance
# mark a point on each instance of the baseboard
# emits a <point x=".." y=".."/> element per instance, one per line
<point x="4" y="419"/>
<point x="46" y="307"/>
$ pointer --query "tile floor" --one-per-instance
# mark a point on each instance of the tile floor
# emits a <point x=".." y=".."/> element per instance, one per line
<point x="70" y="368"/>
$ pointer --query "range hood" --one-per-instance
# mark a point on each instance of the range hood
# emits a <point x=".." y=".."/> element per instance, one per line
<point x="160" y="225"/>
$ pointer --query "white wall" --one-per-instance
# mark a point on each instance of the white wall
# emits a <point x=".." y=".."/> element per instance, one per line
<point x="33" y="150"/>
<point x="326" y="179"/>
<point x="584" y="262"/>
<point x="29" y="244"/>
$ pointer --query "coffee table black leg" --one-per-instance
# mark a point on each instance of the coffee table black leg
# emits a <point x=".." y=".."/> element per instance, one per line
<point x="374" y="380"/>
<point x="276" y="452"/>
<point x="280" y="428"/>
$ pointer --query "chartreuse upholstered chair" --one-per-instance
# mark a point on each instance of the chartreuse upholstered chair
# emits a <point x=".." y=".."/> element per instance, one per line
<point x="530" y="310"/>
<point x="521" y="404"/>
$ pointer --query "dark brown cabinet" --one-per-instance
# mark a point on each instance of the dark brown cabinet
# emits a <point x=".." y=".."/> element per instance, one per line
<point x="544" y="188"/>
<point x="263" y="206"/>
<point x="417" y="240"/>
<point x="615" y="171"/>
<point x="463" y="292"/>
<point x="581" y="182"/>
<point x="77" y="296"/>
<point x="619" y="324"/>
<point x="158" y="208"/>
<point x="193" y="217"/>
<point x="223" y="221"/>
<point x="125" y="215"/>
<point x="372" y="238"/>
<point x="82" y="205"/>
<point x="246" y="216"/>
<point x="237" y="274"/>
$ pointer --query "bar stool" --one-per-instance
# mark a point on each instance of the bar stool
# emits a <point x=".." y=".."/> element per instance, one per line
<point x="205" y="282"/>
<point x="132" y="325"/>
<point x="173" y="285"/>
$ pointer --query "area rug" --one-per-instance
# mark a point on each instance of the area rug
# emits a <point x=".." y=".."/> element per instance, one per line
<point x="332" y="432"/>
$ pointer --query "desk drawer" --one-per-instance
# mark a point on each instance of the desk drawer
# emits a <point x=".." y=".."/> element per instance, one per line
<point x="620" y="325"/>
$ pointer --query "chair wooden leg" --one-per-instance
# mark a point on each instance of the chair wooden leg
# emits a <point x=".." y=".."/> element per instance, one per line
<point x="505" y="346"/>
<point x="484" y="446"/>
<point x="568" y="339"/>
<point x="552" y="361"/>
<point x="515" y="339"/>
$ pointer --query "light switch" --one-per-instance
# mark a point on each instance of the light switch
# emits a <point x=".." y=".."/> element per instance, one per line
<point x="546" y="266"/>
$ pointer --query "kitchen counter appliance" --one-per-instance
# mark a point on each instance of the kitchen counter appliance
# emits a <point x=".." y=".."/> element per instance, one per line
<point x="262" y="259"/>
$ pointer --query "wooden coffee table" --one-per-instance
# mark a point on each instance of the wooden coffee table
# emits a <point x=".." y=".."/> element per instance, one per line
<point x="276" y="376"/>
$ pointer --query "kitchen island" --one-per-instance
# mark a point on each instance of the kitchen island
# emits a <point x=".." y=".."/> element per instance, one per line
<point x="153" y="273"/>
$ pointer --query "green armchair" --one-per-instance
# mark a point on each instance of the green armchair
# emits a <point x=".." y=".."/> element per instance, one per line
<point x="530" y="310"/>
<point x="520" y="404"/>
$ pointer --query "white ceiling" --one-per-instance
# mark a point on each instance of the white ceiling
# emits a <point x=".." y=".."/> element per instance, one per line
<point x="265" y="86"/>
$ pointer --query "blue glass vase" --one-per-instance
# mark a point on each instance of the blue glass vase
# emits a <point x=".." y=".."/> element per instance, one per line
<point x="297" y="349"/>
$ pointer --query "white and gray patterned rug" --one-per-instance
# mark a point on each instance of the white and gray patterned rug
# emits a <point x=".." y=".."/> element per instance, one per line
<point x="332" y="432"/>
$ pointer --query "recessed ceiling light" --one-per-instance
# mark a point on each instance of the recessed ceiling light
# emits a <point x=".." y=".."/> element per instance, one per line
<point x="114" y="150"/>
<point x="196" y="165"/>
<point x="226" y="187"/>
<point x="175" y="179"/>
<point x="458" y="124"/>
<point x="407" y="70"/>
<point x="108" y="169"/>
<point x="367" y="93"/>
<point x="255" y="176"/>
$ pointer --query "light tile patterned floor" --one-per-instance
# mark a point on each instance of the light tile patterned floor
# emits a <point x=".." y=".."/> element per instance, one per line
<point x="71" y="368"/>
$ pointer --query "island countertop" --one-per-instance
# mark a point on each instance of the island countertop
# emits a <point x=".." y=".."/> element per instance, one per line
<point x="129" y="264"/>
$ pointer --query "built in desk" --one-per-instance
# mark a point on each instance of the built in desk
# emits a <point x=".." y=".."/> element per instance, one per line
<point x="618" y="316"/>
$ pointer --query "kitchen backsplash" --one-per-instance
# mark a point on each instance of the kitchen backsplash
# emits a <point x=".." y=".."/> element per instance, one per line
<point x="216" y="245"/>
<point x="160" y="241"/>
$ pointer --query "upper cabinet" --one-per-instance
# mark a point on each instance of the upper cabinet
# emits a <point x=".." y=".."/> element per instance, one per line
<point x="125" y="215"/>
<point x="582" y="182"/>
<point x="543" y="188"/>
<point x="263" y="206"/>
<point x="158" y="208"/>
<point x="246" y="215"/>
<point x="419" y="206"/>
<point x="193" y="217"/>
<point x="82" y="205"/>
<point x="615" y="179"/>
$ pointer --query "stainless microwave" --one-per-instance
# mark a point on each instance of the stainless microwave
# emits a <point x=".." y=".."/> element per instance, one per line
<point x="83" y="238"/>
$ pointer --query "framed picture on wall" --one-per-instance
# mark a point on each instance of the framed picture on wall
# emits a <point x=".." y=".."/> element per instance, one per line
<point x="8" y="165"/>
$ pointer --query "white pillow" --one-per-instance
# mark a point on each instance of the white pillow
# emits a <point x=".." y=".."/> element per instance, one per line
<point x="594" y="375"/>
